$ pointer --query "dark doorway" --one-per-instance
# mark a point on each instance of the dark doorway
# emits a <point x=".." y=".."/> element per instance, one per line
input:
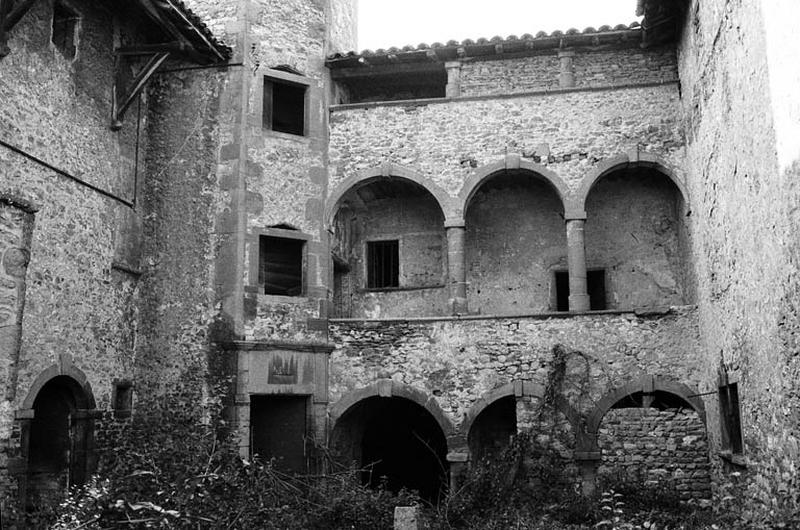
<point x="60" y="435"/>
<point x="492" y="430"/>
<point x="278" y="431"/>
<point x="396" y="442"/>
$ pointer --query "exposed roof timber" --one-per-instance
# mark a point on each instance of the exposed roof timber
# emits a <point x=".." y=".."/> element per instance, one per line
<point x="120" y="100"/>
<point x="191" y="25"/>
<point x="390" y="68"/>
<point x="619" y="35"/>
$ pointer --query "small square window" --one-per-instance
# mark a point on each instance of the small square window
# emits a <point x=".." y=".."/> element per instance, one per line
<point x="280" y="265"/>
<point x="284" y="107"/>
<point x="122" y="398"/>
<point x="596" y="287"/>
<point x="730" y="419"/>
<point x="383" y="264"/>
<point x="65" y="24"/>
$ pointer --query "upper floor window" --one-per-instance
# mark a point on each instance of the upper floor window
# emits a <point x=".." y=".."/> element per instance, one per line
<point x="65" y="27"/>
<point x="280" y="268"/>
<point x="383" y="264"/>
<point x="284" y="105"/>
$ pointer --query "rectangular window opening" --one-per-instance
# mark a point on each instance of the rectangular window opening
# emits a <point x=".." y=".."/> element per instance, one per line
<point x="383" y="264"/>
<point x="596" y="287"/>
<point x="280" y="265"/>
<point x="122" y="399"/>
<point x="284" y="107"/>
<point x="730" y="419"/>
<point x="65" y="22"/>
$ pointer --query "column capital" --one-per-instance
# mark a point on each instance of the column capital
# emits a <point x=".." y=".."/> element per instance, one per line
<point x="455" y="223"/>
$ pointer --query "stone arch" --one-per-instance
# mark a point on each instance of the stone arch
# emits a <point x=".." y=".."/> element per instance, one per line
<point x="396" y="435"/>
<point x="391" y="388"/>
<point x="646" y="385"/>
<point x="633" y="158"/>
<point x="520" y="388"/>
<point x="57" y="433"/>
<point x="510" y="162"/>
<point x="84" y="398"/>
<point x="385" y="170"/>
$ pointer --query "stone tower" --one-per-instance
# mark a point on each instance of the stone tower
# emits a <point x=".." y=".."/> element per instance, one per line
<point x="272" y="270"/>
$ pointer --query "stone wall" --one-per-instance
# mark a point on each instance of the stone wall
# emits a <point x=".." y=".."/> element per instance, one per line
<point x="569" y="133"/>
<point x="634" y="233"/>
<point x="458" y="361"/>
<point x="745" y="228"/>
<point x="515" y="241"/>
<point x="663" y="448"/>
<point x="81" y="283"/>
<point x="591" y="69"/>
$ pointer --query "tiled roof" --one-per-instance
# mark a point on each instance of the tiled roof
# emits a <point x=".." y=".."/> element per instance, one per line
<point x="193" y="28"/>
<point x="512" y="43"/>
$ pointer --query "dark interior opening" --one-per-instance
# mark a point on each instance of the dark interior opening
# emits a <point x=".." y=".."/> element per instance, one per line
<point x="383" y="264"/>
<point x="395" y="442"/>
<point x="65" y="22"/>
<point x="731" y="420"/>
<point x="595" y="285"/>
<point x="493" y="429"/>
<point x="427" y="81"/>
<point x="660" y="400"/>
<point x="278" y="431"/>
<point x="284" y="106"/>
<point x="123" y="398"/>
<point x="58" y="441"/>
<point x="562" y="291"/>
<point x="280" y="268"/>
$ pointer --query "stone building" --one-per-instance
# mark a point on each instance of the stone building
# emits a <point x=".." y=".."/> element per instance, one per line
<point x="396" y="253"/>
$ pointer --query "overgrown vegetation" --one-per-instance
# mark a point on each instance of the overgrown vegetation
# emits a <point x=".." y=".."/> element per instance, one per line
<point x="170" y="471"/>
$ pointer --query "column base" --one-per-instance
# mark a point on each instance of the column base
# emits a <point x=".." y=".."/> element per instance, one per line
<point x="579" y="302"/>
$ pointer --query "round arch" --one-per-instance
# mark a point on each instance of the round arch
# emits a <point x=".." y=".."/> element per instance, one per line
<point x="519" y="389"/>
<point x="391" y="388"/>
<point x="81" y="388"/>
<point x="510" y="162"/>
<point x="646" y="385"/>
<point x="386" y="170"/>
<point x="633" y="158"/>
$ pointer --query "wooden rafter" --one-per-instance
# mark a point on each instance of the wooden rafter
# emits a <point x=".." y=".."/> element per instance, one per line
<point x="122" y="97"/>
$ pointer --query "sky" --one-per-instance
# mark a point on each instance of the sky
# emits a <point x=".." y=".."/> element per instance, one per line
<point x="386" y="23"/>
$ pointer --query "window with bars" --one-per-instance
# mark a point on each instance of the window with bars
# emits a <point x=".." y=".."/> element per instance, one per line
<point x="383" y="264"/>
<point x="730" y="420"/>
<point x="65" y="24"/>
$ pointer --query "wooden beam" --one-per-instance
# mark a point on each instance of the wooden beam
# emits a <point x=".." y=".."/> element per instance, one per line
<point x="149" y="49"/>
<point x="155" y="13"/>
<point x="190" y="24"/>
<point x="121" y="101"/>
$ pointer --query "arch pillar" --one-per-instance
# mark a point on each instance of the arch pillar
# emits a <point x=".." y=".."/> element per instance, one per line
<point x="576" y="265"/>
<point x="456" y="266"/>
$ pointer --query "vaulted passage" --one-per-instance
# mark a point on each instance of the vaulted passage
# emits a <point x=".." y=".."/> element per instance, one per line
<point x="396" y="440"/>
<point x="636" y="234"/>
<point x="493" y="428"/>
<point x="389" y="251"/>
<point x="60" y="436"/>
<point x="515" y="242"/>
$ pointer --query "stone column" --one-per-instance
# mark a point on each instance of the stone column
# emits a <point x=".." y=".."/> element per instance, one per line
<point x="456" y="266"/>
<point x="566" y="75"/>
<point x="453" y="89"/>
<point x="576" y="263"/>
